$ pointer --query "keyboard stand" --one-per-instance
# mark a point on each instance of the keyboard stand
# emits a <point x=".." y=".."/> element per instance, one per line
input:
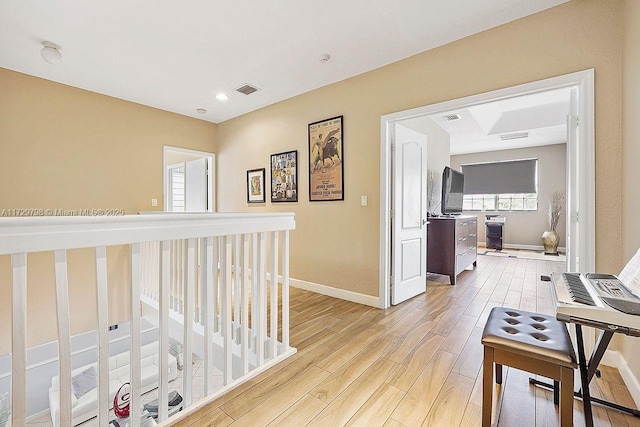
<point x="588" y="368"/>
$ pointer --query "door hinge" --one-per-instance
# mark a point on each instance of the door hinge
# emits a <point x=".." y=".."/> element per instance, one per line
<point x="575" y="217"/>
<point x="391" y="214"/>
<point x="574" y="121"/>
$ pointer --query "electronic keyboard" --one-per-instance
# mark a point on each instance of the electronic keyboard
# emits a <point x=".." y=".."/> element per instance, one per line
<point x="599" y="300"/>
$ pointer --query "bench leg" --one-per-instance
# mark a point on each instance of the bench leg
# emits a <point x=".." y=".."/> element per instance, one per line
<point x="556" y="393"/>
<point x="566" y="397"/>
<point x="498" y="373"/>
<point x="487" y="387"/>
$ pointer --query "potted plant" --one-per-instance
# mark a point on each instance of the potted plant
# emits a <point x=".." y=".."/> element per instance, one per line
<point x="550" y="238"/>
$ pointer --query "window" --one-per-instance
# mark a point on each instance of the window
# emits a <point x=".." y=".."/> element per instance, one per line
<point x="501" y="186"/>
<point x="500" y="202"/>
<point x="479" y="202"/>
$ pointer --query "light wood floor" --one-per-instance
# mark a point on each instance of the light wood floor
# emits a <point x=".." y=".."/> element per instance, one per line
<point x="418" y="363"/>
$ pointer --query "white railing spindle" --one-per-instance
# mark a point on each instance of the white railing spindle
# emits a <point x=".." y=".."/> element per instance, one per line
<point x="261" y="300"/>
<point x="102" y="302"/>
<point x="134" y="354"/>
<point x="255" y="280"/>
<point x="19" y="340"/>
<point x="244" y="352"/>
<point x="188" y="320"/>
<point x="236" y="288"/>
<point x="206" y="277"/>
<point x="225" y="296"/>
<point x="163" y="310"/>
<point x="285" y="290"/>
<point x="64" y="335"/>
<point x="273" y="343"/>
<point x="215" y="272"/>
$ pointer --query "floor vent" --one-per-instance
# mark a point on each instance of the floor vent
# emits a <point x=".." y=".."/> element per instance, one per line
<point x="247" y="89"/>
<point x="518" y="135"/>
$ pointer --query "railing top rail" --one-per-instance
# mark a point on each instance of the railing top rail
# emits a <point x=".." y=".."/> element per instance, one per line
<point x="35" y="234"/>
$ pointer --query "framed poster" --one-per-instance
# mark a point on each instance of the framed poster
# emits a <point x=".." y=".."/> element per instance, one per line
<point x="284" y="177"/>
<point x="326" y="170"/>
<point x="255" y="186"/>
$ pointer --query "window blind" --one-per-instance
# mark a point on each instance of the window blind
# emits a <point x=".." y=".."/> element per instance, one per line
<point x="509" y="177"/>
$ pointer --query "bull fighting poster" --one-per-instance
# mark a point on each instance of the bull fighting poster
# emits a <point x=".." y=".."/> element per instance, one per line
<point x="326" y="171"/>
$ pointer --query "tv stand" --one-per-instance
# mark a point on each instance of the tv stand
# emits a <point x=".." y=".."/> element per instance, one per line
<point x="451" y="245"/>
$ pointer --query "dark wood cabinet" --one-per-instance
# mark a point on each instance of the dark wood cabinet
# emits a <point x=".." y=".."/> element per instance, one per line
<point x="451" y="245"/>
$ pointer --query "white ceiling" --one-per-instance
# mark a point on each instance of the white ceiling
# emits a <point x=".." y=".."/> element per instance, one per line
<point x="176" y="55"/>
<point x="543" y="116"/>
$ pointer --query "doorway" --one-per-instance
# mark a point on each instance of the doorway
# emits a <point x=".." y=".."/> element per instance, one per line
<point x="188" y="180"/>
<point x="580" y="174"/>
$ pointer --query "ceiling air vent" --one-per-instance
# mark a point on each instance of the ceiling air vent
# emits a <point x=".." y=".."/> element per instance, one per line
<point x="450" y="117"/>
<point x="517" y="135"/>
<point x="247" y="89"/>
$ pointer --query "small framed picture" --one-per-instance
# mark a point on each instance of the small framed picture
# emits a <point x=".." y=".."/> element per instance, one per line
<point x="284" y="177"/>
<point x="255" y="186"/>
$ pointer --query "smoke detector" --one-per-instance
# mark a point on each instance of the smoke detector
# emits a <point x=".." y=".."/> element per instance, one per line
<point x="325" y="57"/>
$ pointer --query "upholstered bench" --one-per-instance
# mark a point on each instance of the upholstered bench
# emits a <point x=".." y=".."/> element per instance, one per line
<point x="531" y="342"/>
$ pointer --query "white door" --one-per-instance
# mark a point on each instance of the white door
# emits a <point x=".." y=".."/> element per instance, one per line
<point x="573" y="192"/>
<point x="196" y="186"/>
<point x="408" y="223"/>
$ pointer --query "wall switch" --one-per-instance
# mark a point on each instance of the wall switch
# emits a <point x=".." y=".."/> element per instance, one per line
<point x="364" y="200"/>
<point x="154" y="202"/>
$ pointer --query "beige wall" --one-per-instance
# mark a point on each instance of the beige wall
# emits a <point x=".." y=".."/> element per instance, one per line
<point x="337" y="243"/>
<point x="526" y="228"/>
<point x="630" y="347"/>
<point x="67" y="148"/>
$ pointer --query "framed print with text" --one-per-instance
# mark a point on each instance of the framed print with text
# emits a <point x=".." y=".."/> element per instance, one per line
<point x="326" y="170"/>
<point x="284" y="177"/>
<point x="255" y="186"/>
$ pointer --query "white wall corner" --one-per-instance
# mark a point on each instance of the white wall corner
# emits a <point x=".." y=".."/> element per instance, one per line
<point x="616" y="360"/>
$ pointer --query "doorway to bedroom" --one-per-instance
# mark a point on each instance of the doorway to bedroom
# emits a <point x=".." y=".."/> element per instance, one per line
<point x="578" y="152"/>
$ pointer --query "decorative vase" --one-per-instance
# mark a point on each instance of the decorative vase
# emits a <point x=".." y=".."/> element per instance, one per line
<point x="550" y="240"/>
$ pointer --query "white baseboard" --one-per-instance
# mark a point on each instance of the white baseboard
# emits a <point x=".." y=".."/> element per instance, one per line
<point x="330" y="291"/>
<point x="525" y="247"/>
<point x="615" y="359"/>
<point x="37" y="415"/>
<point x="335" y="292"/>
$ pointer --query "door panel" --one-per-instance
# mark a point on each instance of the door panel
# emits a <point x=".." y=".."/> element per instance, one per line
<point x="196" y="186"/>
<point x="409" y="232"/>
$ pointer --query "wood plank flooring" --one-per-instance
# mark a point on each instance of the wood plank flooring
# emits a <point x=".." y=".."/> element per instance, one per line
<point x="418" y="363"/>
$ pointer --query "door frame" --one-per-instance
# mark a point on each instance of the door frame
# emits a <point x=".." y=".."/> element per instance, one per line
<point x="585" y="182"/>
<point x="211" y="175"/>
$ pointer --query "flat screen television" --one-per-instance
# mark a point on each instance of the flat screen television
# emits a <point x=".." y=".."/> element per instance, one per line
<point x="452" y="191"/>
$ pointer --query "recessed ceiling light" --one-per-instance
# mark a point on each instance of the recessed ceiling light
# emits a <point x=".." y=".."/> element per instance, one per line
<point x="201" y="111"/>
<point x="222" y="97"/>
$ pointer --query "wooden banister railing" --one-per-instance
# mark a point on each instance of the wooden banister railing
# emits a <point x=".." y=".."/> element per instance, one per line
<point x="206" y="271"/>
